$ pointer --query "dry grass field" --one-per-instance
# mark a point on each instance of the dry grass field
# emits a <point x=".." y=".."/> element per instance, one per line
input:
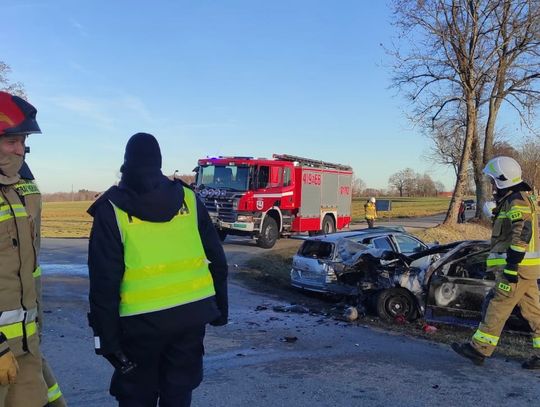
<point x="404" y="207"/>
<point x="69" y="219"/>
<point x="66" y="219"/>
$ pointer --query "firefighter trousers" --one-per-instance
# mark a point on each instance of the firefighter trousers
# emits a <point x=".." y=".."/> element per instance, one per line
<point x="168" y="369"/>
<point x="505" y="298"/>
<point x="30" y="389"/>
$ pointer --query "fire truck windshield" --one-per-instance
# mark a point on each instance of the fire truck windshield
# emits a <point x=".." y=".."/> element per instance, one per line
<point x="230" y="177"/>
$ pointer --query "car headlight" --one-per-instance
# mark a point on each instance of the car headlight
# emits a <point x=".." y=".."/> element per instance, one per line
<point x="245" y="218"/>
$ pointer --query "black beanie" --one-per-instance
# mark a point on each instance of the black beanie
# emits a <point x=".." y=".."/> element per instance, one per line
<point x="142" y="155"/>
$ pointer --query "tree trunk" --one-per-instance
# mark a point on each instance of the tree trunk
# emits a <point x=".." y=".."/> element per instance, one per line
<point x="461" y="180"/>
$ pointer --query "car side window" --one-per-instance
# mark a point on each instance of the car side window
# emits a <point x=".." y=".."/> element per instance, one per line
<point x="382" y="243"/>
<point x="408" y="245"/>
<point x="471" y="267"/>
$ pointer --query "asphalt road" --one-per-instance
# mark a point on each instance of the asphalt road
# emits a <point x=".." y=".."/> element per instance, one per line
<point x="249" y="363"/>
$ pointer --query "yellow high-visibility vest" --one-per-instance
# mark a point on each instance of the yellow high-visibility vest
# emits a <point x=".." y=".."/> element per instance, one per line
<point x="165" y="263"/>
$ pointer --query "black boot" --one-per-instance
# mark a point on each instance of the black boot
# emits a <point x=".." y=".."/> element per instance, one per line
<point x="532" y="363"/>
<point x="467" y="351"/>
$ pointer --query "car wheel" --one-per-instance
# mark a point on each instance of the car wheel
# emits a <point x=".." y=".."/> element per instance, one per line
<point x="328" y="225"/>
<point x="269" y="233"/>
<point x="445" y="294"/>
<point x="395" y="302"/>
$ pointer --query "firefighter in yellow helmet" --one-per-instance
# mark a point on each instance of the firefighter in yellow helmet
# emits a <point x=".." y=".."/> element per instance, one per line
<point x="22" y="381"/>
<point x="515" y="259"/>
<point x="371" y="211"/>
<point x="158" y="275"/>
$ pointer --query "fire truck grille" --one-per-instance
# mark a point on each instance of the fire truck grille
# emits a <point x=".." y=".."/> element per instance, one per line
<point x="224" y="209"/>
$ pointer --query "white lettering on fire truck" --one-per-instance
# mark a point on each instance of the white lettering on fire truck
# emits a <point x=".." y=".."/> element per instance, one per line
<point x="259" y="204"/>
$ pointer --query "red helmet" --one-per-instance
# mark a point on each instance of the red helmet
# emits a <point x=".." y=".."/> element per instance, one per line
<point x="17" y="116"/>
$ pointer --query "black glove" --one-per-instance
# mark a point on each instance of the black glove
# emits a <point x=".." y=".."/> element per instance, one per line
<point x="511" y="273"/>
<point x="120" y="362"/>
<point x="220" y="321"/>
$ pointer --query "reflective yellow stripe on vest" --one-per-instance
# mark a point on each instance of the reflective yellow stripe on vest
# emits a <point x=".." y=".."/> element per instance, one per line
<point x="165" y="263"/>
<point x="536" y="343"/>
<point x="37" y="272"/>
<point x="16" y="330"/>
<point x="54" y="393"/>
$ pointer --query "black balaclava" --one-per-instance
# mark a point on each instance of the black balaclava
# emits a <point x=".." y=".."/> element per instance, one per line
<point x="141" y="170"/>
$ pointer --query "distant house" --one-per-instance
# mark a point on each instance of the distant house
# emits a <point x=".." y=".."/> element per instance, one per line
<point x="447" y="194"/>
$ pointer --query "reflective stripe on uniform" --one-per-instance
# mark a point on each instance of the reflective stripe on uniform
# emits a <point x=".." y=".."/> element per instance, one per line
<point x="17" y="315"/>
<point x="510" y="272"/>
<point x="37" y="272"/>
<point x="54" y="393"/>
<point x="486" y="338"/>
<point x="16" y="330"/>
<point x="499" y="259"/>
<point x="7" y="212"/>
<point x="536" y="343"/>
<point x="518" y="248"/>
<point x="11" y="317"/>
<point x="24" y="188"/>
<point x="18" y="210"/>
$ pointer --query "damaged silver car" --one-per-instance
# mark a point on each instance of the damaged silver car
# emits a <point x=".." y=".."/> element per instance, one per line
<point x="452" y="287"/>
<point x="313" y="264"/>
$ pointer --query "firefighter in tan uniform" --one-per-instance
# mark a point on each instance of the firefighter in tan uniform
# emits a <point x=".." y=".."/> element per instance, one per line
<point x="31" y="197"/>
<point x="22" y="381"/>
<point x="371" y="212"/>
<point x="515" y="259"/>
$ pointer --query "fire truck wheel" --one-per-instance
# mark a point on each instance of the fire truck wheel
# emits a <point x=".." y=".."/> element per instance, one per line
<point x="269" y="233"/>
<point x="222" y="234"/>
<point x="328" y="225"/>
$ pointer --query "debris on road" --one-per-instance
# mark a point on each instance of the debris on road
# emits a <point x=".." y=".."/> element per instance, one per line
<point x="289" y="339"/>
<point x="351" y="314"/>
<point x="294" y="308"/>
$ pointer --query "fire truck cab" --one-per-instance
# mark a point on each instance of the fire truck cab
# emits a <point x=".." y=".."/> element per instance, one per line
<point x="268" y="198"/>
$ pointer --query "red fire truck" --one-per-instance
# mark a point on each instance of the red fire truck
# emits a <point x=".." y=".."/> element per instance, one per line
<point x="268" y="198"/>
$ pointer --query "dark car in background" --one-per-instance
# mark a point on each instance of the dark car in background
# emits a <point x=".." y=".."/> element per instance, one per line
<point x="470" y="204"/>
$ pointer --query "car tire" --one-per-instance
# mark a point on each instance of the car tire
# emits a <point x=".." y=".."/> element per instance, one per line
<point x="269" y="233"/>
<point x="328" y="225"/>
<point x="395" y="302"/>
<point x="222" y="234"/>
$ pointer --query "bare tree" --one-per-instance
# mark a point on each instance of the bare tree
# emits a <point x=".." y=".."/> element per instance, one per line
<point x="358" y="186"/>
<point x="461" y="55"/>
<point x="529" y="158"/>
<point x="513" y="56"/>
<point x="15" y="88"/>
<point x="402" y="180"/>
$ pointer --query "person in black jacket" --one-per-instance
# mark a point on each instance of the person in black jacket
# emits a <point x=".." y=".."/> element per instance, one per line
<point x="155" y="281"/>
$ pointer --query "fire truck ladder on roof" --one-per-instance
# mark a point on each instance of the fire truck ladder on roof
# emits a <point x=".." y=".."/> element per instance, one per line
<point x="310" y="162"/>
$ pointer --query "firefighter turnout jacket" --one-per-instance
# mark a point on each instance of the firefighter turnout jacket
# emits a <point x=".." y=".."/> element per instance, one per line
<point x="514" y="239"/>
<point x="515" y="261"/>
<point x="19" y="224"/>
<point x="371" y="211"/>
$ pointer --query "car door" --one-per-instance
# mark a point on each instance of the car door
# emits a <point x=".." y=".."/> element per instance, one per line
<point x="457" y="289"/>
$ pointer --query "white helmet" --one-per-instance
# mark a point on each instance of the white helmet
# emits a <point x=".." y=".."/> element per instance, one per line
<point x="488" y="209"/>
<point x="505" y="171"/>
<point x="372" y="199"/>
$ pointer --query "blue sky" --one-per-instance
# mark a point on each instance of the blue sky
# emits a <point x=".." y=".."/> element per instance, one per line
<point x="231" y="77"/>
